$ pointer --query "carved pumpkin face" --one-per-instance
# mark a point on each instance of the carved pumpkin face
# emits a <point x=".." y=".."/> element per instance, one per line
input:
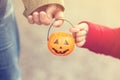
<point x="61" y="43"/>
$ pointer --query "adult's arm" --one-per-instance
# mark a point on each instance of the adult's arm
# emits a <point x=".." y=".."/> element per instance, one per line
<point x="32" y="5"/>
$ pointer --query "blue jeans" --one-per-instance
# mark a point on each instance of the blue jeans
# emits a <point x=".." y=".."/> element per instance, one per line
<point x="9" y="43"/>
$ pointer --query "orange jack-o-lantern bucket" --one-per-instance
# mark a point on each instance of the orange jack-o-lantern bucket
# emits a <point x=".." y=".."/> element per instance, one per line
<point x="60" y="43"/>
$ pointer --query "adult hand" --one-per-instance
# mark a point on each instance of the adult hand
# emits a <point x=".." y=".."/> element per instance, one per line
<point x="80" y="33"/>
<point x="44" y="15"/>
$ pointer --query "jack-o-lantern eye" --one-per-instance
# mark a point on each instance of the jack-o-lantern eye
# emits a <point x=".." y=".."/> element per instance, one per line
<point x="66" y="43"/>
<point x="56" y="41"/>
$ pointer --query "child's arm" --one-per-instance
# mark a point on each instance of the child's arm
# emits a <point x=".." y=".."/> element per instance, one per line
<point x="98" y="38"/>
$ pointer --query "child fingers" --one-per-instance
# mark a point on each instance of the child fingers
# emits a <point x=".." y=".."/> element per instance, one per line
<point x="81" y="33"/>
<point x="80" y="39"/>
<point x="83" y="26"/>
<point x="73" y="30"/>
<point x="80" y="44"/>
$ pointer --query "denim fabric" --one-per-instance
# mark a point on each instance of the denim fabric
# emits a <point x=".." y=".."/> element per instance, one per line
<point x="9" y="43"/>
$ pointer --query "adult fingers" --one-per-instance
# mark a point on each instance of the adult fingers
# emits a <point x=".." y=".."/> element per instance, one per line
<point x="30" y="19"/>
<point x="36" y="18"/>
<point x="45" y="18"/>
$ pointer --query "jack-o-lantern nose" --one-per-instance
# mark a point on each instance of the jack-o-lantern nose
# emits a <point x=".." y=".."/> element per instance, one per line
<point x="60" y="47"/>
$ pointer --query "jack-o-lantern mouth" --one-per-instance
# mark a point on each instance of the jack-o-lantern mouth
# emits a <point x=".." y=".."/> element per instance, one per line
<point x="60" y="52"/>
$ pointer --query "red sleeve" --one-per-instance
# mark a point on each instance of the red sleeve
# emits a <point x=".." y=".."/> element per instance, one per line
<point x="102" y="39"/>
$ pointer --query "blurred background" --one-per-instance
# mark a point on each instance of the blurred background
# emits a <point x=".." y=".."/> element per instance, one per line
<point x="36" y="61"/>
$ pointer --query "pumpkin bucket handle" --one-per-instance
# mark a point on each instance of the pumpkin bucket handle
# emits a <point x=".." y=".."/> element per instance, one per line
<point x="54" y="22"/>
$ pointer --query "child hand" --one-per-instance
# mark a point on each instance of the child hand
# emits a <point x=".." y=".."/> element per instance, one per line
<point x="80" y="33"/>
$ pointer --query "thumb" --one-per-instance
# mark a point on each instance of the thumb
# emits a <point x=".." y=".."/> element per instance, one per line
<point x="51" y="10"/>
<point x="59" y="15"/>
<point x="55" y="11"/>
